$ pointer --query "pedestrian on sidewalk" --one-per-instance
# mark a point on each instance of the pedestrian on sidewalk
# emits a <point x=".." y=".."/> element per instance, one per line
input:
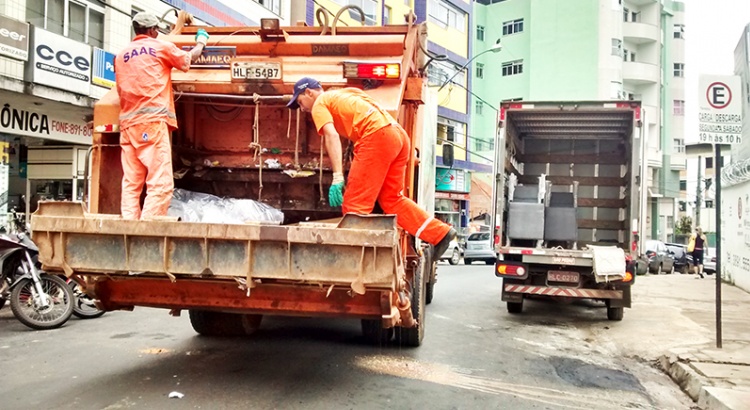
<point x="381" y="152"/>
<point x="697" y="244"/>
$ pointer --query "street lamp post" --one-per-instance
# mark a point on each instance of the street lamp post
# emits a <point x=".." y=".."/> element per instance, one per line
<point x="495" y="48"/>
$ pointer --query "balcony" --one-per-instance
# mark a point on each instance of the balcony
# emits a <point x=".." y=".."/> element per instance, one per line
<point x="678" y="161"/>
<point x="640" y="33"/>
<point x="655" y="158"/>
<point x="640" y="73"/>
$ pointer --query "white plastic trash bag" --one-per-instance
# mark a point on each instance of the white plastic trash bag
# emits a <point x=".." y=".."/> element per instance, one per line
<point x="199" y="207"/>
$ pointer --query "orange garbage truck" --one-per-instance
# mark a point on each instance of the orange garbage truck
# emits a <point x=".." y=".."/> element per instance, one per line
<point x="239" y="144"/>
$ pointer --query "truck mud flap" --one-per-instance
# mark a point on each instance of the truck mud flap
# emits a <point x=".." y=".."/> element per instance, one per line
<point x="361" y="250"/>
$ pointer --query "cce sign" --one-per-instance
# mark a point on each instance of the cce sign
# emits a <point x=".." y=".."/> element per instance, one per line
<point x="60" y="62"/>
<point x="720" y="110"/>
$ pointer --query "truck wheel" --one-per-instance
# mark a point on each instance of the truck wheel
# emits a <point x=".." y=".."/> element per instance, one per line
<point x="615" y="313"/>
<point x="412" y="337"/>
<point x="515" y="307"/>
<point x="468" y="261"/>
<point x="209" y="323"/>
<point x="429" y="291"/>
<point x="374" y="333"/>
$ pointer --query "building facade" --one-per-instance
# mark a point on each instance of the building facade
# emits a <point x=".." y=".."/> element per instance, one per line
<point x="56" y="61"/>
<point x="590" y="50"/>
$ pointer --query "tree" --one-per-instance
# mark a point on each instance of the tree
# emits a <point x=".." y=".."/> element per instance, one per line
<point x="685" y="225"/>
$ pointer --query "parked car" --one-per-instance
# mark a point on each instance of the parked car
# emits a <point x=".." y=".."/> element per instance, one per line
<point x="709" y="261"/>
<point x="479" y="248"/>
<point x="659" y="257"/>
<point x="452" y="254"/>
<point x="682" y="260"/>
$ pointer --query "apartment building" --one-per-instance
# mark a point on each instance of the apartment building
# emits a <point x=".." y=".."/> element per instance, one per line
<point x="55" y="62"/>
<point x="590" y="50"/>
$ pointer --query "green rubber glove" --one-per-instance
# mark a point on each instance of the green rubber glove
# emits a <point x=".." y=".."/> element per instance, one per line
<point x="201" y="36"/>
<point x="335" y="192"/>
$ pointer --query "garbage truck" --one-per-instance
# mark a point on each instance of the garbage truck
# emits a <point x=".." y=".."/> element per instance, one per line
<point x="568" y="201"/>
<point x="237" y="141"/>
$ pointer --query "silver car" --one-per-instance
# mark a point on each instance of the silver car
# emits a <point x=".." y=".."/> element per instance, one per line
<point x="452" y="254"/>
<point x="479" y="248"/>
<point x="709" y="261"/>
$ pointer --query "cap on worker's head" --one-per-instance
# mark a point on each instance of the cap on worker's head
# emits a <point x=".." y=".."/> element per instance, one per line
<point x="145" y="20"/>
<point x="300" y="86"/>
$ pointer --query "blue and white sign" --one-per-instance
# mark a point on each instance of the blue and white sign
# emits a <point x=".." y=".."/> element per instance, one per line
<point x="104" y="68"/>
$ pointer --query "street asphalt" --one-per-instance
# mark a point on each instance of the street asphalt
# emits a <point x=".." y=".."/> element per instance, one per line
<point x="475" y="356"/>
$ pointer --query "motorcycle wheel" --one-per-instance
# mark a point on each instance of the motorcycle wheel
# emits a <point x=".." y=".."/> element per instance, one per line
<point x="84" y="307"/>
<point x="27" y="311"/>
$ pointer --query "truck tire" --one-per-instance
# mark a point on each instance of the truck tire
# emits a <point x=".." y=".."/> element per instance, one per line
<point x="221" y="324"/>
<point x="429" y="291"/>
<point x="468" y="261"/>
<point x="373" y="332"/>
<point x="515" y="307"/>
<point x="413" y="336"/>
<point x="615" y="313"/>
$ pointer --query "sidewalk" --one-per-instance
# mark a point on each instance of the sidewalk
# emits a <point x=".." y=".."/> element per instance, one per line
<point x="713" y="378"/>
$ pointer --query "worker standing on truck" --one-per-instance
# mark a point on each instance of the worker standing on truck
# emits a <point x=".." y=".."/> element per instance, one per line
<point x="147" y="116"/>
<point x="381" y="152"/>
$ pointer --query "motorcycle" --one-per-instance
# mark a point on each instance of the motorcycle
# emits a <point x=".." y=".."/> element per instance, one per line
<point x="38" y="300"/>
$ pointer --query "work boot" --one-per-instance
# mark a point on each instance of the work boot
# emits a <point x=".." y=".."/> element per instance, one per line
<point x="442" y="246"/>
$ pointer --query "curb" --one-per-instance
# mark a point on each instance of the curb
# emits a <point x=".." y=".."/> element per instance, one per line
<point x="685" y="376"/>
<point x="700" y="388"/>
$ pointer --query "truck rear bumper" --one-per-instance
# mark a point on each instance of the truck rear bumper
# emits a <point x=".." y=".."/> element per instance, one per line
<point x="563" y="292"/>
<point x="117" y="294"/>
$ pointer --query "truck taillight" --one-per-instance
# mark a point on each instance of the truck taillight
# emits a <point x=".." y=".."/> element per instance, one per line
<point x="375" y="71"/>
<point x="503" y="269"/>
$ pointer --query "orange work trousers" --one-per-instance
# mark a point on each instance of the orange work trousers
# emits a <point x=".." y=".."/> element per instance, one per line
<point x="377" y="173"/>
<point x="146" y="159"/>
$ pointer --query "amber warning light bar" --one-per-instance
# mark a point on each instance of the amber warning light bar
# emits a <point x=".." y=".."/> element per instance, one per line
<point x="374" y="71"/>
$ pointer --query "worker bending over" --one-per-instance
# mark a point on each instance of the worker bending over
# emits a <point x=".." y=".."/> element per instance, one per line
<point x="147" y="115"/>
<point x="381" y="152"/>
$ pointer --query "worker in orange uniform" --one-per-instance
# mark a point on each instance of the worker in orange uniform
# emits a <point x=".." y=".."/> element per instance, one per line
<point x="147" y="116"/>
<point x="381" y="152"/>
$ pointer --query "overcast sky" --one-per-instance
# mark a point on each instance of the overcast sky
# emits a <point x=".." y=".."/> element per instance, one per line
<point x="712" y="31"/>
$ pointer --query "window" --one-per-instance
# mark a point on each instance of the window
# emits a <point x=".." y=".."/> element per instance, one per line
<point x="709" y="163"/>
<point x="480" y="70"/>
<point x="628" y="55"/>
<point x="512" y="68"/>
<point x="625" y="14"/>
<point x="679" y="107"/>
<point x="635" y="16"/>
<point x="446" y="15"/>
<point x="670" y="222"/>
<point x="679" y="31"/>
<point x="709" y="203"/>
<point x="275" y="6"/>
<point x="78" y="20"/>
<point x="480" y="33"/>
<point x="387" y="16"/>
<point x="441" y="71"/>
<point x="679" y="69"/>
<point x="679" y="145"/>
<point x="683" y="206"/>
<point x="370" y="7"/>
<point x="683" y="185"/>
<point x="478" y="106"/>
<point x="512" y="27"/>
<point x="616" y="47"/>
